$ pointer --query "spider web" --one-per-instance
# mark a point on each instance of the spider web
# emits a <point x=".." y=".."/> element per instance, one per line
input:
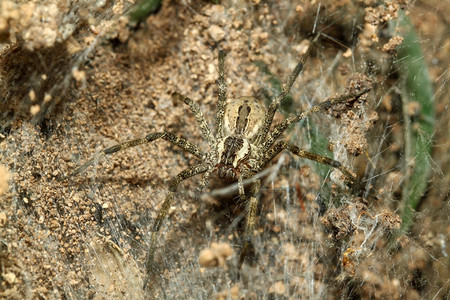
<point x="76" y="79"/>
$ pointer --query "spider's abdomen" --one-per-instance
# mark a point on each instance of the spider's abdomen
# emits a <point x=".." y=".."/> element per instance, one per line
<point x="243" y="117"/>
<point x="233" y="151"/>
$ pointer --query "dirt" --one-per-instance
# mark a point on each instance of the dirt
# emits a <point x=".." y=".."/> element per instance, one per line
<point x="92" y="81"/>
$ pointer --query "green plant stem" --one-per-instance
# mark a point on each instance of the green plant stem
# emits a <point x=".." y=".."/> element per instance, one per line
<point x="419" y="129"/>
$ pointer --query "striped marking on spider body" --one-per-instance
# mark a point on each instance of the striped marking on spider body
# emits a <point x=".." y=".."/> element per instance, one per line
<point x="244" y="117"/>
<point x="242" y="121"/>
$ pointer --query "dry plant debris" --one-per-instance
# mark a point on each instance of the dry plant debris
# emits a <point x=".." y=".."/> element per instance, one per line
<point x="215" y="256"/>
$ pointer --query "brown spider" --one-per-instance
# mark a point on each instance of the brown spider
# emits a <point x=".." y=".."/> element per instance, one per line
<point x="240" y="149"/>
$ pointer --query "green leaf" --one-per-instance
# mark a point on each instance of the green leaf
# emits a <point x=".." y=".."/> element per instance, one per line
<point x="416" y="86"/>
<point x="142" y="9"/>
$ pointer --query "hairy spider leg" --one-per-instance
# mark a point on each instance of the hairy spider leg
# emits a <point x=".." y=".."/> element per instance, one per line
<point x="241" y="188"/>
<point x="176" y="140"/>
<point x="221" y="83"/>
<point x="204" y="180"/>
<point x="280" y="128"/>
<point x="173" y="185"/>
<point x="206" y="131"/>
<point x="280" y="146"/>
<point x="275" y="104"/>
<point x="250" y="222"/>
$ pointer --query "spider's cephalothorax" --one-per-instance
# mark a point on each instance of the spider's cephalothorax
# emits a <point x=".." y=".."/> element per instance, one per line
<point x="242" y="120"/>
<point x="241" y="147"/>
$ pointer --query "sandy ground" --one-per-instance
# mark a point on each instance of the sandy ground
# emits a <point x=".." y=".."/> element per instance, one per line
<point x="68" y="96"/>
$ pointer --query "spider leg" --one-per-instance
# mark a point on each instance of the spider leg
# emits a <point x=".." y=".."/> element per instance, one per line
<point x="222" y="95"/>
<point x="204" y="180"/>
<point x="241" y="188"/>
<point x="173" y="184"/>
<point x="280" y="146"/>
<point x="252" y="207"/>
<point x="179" y="141"/>
<point x="286" y="88"/>
<point x="280" y="128"/>
<point x="198" y="115"/>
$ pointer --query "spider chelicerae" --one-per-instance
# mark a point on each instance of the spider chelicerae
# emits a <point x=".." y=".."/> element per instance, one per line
<point x="241" y="147"/>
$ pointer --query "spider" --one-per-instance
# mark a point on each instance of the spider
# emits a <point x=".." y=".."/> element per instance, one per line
<point x="241" y="147"/>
